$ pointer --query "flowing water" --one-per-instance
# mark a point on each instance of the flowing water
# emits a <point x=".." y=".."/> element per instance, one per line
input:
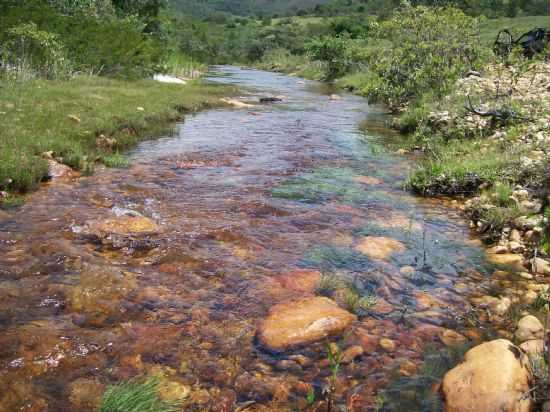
<point x="244" y="201"/>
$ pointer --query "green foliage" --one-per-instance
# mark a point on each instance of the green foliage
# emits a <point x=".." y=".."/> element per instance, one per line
<point x="27" y="49"/>
<point x="334" y="355"/>
<point x="310" y="397"/>
<point x="502" y="193"/>
<point x="334" y="52"/>
<point x="49" y="35"/>
<point x="136" y="396"/>
<point x="430" y="48"/>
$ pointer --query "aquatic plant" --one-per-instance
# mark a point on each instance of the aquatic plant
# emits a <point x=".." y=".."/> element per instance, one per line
<point x="356" y="303"/>
<point x="136" y="396"/>
<point x="310" y="397"/>
<point x="327" y="285"/>
<point x="334" y="355"/>
<point x="321" y="185"/>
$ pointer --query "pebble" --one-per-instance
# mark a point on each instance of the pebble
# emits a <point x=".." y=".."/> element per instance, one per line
<point x="352" y="353"/>
<point x="387" y="344"/>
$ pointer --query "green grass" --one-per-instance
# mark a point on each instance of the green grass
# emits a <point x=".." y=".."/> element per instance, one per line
<point x="458" y="168"/>
<point x="67" y="117"/>
<point x="517" y="25"/>
<point x="136" y="396"/>
<point x="11" y="202"/>
<point x="116" y="161"/>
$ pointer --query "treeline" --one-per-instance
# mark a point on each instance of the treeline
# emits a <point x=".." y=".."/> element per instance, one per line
<point x="54" y="38"/>
<point x="286" y="8"/>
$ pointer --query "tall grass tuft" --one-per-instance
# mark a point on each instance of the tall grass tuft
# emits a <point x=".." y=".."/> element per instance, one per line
<point x="134" y="396"/>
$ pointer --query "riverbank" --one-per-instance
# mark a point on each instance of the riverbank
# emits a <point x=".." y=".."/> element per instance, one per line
<point x="86" y="120"/>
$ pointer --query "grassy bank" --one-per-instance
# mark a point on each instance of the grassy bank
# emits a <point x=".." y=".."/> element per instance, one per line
<point x="85" y="120"/>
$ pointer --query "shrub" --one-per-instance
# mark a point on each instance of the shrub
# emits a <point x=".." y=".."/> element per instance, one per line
<point x="334" y="52"/>
<point x="430" y="48"/>
<point x="28" y="49"/>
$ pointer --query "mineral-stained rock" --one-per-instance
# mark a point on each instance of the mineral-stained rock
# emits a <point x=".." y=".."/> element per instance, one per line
<point x="301" y="322"/>
<point x="494" y="377"/>
<point x="380" y="248"/>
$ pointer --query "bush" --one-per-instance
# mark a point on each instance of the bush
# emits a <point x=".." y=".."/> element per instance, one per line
<point x="30" y="50"/>
<point x="334" y="52"/>
<point x="49" y="36"/>
<point x="430" y="48"/>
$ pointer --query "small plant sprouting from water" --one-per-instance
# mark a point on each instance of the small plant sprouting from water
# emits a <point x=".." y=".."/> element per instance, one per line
<point x="310" y="397"/>
<point x="327" y="285"/>
<point x="334" y="355"/>
<point x="356" y="303"/>
<point x="136" y="396"/>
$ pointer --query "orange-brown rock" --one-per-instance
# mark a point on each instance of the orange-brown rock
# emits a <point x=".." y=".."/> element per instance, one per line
<point x="494" y="377"/>
<point x="123" y="225"/>
<point x="301" y="322"/>
<point x="301" y="280"/>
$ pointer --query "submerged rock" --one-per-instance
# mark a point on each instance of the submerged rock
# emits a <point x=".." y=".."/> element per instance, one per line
<point x="511" y="260"/>
<point x="494" y="377"/>
<point x="302" y="322"/>
<point x="100" y="293"/>
<point x="123" y="226"/>
<point x="450" y="337"/>
<point x="85" y="394"/>
<point x="380" y="248"/>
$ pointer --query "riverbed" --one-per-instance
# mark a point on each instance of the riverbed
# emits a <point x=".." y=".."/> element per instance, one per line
<point x="244" y="207"/>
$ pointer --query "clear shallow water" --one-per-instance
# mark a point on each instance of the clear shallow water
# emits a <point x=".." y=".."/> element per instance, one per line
<point x="243" y="197"/>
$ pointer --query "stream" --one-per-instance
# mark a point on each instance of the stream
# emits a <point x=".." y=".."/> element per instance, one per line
<point x="243" y="208"/>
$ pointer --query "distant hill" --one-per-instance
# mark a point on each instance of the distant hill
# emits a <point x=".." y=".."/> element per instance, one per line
<point x="245" y="7"/>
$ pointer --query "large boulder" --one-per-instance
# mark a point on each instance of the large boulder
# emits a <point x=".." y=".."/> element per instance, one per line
<point x="301" y="322"/>
<point x="494" y="377"/>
